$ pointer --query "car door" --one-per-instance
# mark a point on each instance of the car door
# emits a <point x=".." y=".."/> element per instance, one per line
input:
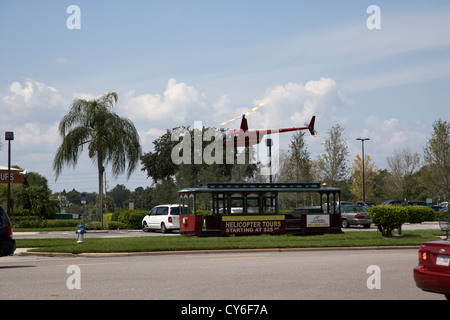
<point x="151" y="218"/>
<point x="7" y="243"/>
<point x="175" y="214"/>
<point x="161" y="216"/>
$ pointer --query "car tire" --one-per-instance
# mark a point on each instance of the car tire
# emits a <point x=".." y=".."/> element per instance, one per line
<point x="145" y="227"/>
<point x="163" y="227"/>
<point x="344" y="223"/>
<point x="366" y="226"/>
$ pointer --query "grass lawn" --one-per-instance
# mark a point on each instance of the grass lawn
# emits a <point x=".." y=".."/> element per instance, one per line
<point x="162" y="243"/>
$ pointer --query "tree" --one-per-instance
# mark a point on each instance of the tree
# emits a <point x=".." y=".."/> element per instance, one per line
<point x="245" y="167"/>
<point x="380" y="186"/>
<point x="299" y="162"/>
<point x="333" y="162"/>
<point x="40" y="201"/>
<point x="158" y="164"/>
<point x="109" y="139"/>
<point x="403" y="164"/>
<point x="142" y="198"/>
<point x="35" y="179"/>
<point x="370" y="173"/>
<point x="296" y="166"/>
<point x="74" y="197"/>
<point x="119" y="194"/>
<point x="197" y="168"/>
<point x="437" y="158"/>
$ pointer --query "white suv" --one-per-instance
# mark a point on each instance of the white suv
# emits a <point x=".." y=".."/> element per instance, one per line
<point x="163" y="217"/>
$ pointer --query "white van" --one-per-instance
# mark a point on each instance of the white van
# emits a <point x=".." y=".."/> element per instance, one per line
<point x="163" y="217"/>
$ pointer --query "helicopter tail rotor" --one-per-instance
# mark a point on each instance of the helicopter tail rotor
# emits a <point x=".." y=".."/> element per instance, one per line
<point x="311" y="126"/>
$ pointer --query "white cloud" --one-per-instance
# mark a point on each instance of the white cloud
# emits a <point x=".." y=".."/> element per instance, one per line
<point x="31" y="136"/>
<point x="178" y="104"/>
<point x="221" y="108"/>
<point x="294" y="104"/>
<point x="26" y="92"/>
<point x="387" y="135"/>
<point x="31" y="101"/>
<point x="148" y="136"/>
<point x="62" y="61"/>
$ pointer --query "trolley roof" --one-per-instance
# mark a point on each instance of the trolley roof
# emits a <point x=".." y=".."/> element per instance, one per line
<point x="259" y="187"/>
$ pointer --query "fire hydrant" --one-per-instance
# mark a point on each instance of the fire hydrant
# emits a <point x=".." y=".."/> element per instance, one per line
<point x="80" y="233"/>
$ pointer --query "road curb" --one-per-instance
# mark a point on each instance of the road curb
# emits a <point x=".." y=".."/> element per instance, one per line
<point x="212" y="251"/>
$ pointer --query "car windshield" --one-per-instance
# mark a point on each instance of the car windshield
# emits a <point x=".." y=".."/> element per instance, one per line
<point x="347" y="209"/>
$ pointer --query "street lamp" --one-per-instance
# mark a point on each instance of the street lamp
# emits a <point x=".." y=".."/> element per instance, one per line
<point x="364" y="184"/>
<point x="269" y="144"/>
<point x="9" y="135"/>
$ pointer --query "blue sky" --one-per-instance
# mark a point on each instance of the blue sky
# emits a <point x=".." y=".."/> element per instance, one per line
<point x="176" y="62"/>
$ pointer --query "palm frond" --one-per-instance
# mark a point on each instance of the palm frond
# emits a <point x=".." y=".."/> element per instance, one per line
<point x="109" y="138"/>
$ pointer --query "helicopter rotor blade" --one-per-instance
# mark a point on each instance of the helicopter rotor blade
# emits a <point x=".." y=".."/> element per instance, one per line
<point x="248" y="112"/>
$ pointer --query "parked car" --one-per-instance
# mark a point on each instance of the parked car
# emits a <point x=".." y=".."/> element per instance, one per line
<point x="368" y="203"/>
<point x="7" y="243"/>
<point x="433" y="272"/>
<point x="420" y="203"/>
<point x="355" y="215"/>
<point x="443" y="206"/>
<point x="415" y="203"/>
<point x="163" y="217"/>
<point x="393" y="203"/>
<point x="339" y="203"/>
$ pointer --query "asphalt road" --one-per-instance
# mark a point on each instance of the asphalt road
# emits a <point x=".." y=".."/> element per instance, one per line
<point x="295" y="275"/>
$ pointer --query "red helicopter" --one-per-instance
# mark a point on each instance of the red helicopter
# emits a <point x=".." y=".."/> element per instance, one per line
<point x="243" y="137"/>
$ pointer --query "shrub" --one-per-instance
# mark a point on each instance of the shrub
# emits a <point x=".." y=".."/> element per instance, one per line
<point x="419" y="214"/>
<point x="22" y="218"/>
<point x="42" y="223"/>
<point x="388" y="218"/>
<point x="113" y="225"/>
<point x="29" y="223"/>
<point x="130" y="220"/>
<point x="93" y="225"/>
<point x="62" y="223"/>
<point x="115" y="216"/>
<point x="23" y="213"/>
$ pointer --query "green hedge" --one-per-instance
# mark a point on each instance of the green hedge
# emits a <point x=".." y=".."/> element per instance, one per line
<point x="419" y="214"/>
<point x="107" y="225"/>
<point x="42" y="223"/>
<point x="388" y="218"/>
<point x="130" y="220"/>
<point x="118" y="220"/>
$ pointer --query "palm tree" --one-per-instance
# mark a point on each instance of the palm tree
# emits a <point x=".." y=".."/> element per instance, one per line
<point x="108" y="137"/>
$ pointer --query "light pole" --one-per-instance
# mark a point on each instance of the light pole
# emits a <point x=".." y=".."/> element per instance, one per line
<point x="9" y="135"/>
<point x="269" y="144"/>
<point x="364" y="184"/>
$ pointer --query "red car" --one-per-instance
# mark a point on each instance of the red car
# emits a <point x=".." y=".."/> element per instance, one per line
<point x="433" y="272"/>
